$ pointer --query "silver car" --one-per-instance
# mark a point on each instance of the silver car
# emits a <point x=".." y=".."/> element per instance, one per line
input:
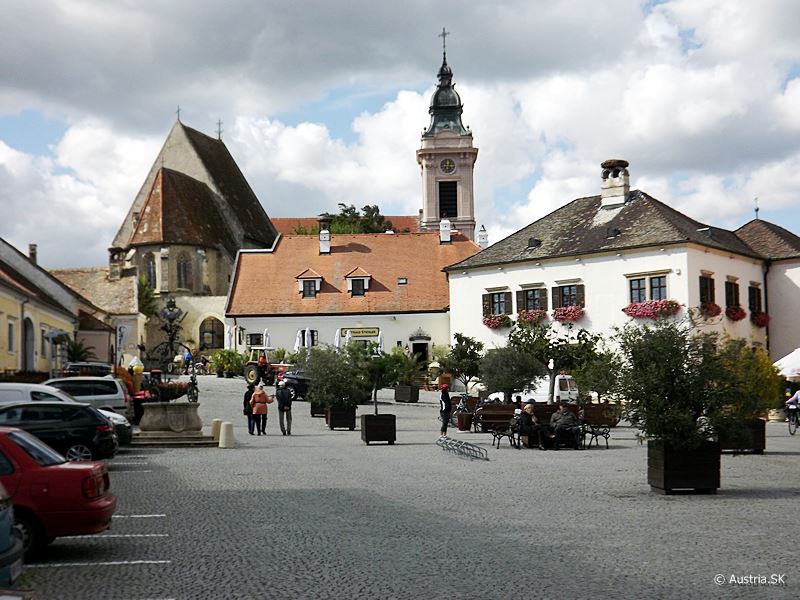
<point x="100" y="392"/>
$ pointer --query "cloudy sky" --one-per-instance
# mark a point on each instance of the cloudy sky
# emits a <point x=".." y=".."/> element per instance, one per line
<point x="324" y="101"/>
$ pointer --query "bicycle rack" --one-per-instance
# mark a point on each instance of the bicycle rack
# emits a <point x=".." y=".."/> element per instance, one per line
<point x="463" y="449"/>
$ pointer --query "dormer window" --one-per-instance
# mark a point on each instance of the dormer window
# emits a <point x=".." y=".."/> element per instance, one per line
<point x="309" y="283"/>
<point x="358" y="282"/>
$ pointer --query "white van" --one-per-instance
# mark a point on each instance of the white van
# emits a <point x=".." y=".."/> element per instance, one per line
<point x="100" y="392"/>
<point x="30" y="392"/>
<point x="565" y="390"/>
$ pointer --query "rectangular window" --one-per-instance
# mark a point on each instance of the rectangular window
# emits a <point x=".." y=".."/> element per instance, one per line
<point x="448" y="199"/>
<point x="314" y="336"/>
<point x="706" y="289"/>
<point x="12" y="345"/>
<point x="499" y="304"/>
<point x="358" y="287"/>
<point x="658" y="288"/>
<point x="536" y="299"/>
<point x="43" y="344"/>
<point x="309" y="288"/>
<point x="569" y="295"/>
<point x="754" y="299"/>
<point x="731" y="293"/>
<point x="255" y="339"/>
<point x="638" y="290"/>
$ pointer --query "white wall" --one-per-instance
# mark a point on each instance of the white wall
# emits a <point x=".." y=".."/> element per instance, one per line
<point x="606" y="286"/>
<point x="784" y="299"/>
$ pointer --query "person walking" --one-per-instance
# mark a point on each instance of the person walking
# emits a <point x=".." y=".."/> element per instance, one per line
<point x="284" y="398"/>
<point x="259" y="403"/>
<point x="247" y="410"/>
<point x="261" y="370"/>
<point x="445" y="408"/>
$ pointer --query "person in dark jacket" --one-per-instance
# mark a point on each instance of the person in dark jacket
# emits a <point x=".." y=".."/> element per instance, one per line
<point x="284" y="398"/>
<point x="247" y="410"/>
<point x="445" y="408"/>
<point x="529" y="425"/>
<point x="565" y="426"/>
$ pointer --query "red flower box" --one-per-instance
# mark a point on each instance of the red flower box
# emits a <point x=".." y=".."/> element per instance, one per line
<point x="710" y="309"/>
<point x="735" y="313"/>
<point x="532" y="317"/>
<point x="653" y="309"/>
<point x="568" y="313"/>
<point x="759" y="319"/>
<point x="497" y="321"/>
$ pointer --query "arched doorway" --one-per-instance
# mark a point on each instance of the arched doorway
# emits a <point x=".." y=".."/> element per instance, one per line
<point x="212" y="333"/>
<point x="28" y="346"/>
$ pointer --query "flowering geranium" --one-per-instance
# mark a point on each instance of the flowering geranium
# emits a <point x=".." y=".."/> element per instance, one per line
<point x="532" y="317"/>
<point x="568" y="313"/>
<point x="710" y="309"/>
<point x="497" y="321"/>
<point x="652" y="309"/>
<point x="735" y="313"/>
<point x="759" y="319"/>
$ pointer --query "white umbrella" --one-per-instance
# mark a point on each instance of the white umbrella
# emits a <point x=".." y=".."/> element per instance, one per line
<point x="337" y="339"/>
<point x="228" y="337"/>
<point x="789" y="366"/>
<point x="308" y="338"/>
<point x="380" y="342"/>
<point x="298" y="341"/>
<point x="266" y="337"/>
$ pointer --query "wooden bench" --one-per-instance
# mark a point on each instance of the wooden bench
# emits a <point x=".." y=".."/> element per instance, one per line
<point x="493" y="416"/>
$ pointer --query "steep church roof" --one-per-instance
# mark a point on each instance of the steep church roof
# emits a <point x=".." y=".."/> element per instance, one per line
<point x="584" y="227"/>
<point x="769" y="239"/>
<point x="181" y="210"/>
<point x="205" y="160"/>
<point x="116" y="296"/>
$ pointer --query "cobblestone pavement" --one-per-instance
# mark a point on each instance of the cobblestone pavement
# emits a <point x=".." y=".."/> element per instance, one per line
<point x="321" y="515"/>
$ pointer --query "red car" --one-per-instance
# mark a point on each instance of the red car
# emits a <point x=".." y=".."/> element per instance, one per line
<point x="52" y="497"/>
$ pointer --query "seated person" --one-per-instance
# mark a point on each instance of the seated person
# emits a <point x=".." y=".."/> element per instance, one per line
<point x="794" y="401"/>
<point x="565" y="426"/>
<point x="529" y="425"/>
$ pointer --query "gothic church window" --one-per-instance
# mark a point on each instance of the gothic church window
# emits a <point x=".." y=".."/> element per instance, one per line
<point x="184" y="272"/>
<point x="150" y="270"/>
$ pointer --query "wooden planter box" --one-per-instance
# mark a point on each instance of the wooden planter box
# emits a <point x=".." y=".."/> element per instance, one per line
<point x="672" y="469"/>
<point x="757" y="443"/>
<point x="464" y="421"/>
<point x="343" y="418"/>
<point x="406" y="393"/>
<point x="378" y="428"/>
<point x="317" y="410"/>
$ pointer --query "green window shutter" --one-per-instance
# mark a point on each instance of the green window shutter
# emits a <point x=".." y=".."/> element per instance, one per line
<point x="581" y="295"/>
<point x="487" y="305"/>
<point x="544" y="300"/>
<point x="521" y="300"/>
<point x="509" y="308"/>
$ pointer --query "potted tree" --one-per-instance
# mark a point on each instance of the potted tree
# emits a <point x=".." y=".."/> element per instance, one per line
<point x="380" y="370"/>
<point x="752" y="384"/>
<point x="406" y="369"/>
<point x="670" y="378"/>
<point x="338" y="385"/>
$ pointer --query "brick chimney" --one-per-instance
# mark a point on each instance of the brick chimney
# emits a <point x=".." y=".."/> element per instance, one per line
<point x="32" y="253"/>
<point x="616" y="183"/>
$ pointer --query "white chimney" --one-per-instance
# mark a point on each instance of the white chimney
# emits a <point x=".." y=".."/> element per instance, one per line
<point x="483" y="238"/>
<point x="444" y="231"/>
<point x="324" y="241"/>
<point x="616" y="183"/>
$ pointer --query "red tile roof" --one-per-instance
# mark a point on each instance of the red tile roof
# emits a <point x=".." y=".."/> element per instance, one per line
<point x="770" y="240"/>
<point x="288" y="225"/>
<point x="265" y="283"/>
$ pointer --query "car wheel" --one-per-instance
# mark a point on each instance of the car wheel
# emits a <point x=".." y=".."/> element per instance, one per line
<point x="31" y="533"/>
<point x="292" y="392"/>
<point x="251" y="374"/>
<point x="79" y="452"/>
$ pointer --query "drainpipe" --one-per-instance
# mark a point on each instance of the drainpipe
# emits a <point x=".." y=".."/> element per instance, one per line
<point x="766" y="297"/>
<point x="21" y="330"/>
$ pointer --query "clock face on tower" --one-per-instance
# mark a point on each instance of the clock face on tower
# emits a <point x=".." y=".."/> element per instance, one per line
<point x="447" y="165"/>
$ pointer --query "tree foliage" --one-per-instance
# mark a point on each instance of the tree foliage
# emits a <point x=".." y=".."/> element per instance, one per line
<point x="597" y="373"/>
<point x="463" y="360"/>
<point x="508" y="370"/>
<point x="77" y="351"/>
<point x="148" y="305"/>
<point x="338" y="378"/>
<point x="351" y="220"/>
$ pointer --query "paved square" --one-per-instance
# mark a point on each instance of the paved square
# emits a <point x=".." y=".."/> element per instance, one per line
<point x="321" y="515"/>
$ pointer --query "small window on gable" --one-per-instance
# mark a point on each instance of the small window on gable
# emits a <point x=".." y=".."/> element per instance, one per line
<point x="358" y="287"/>
<point x="309" y="288"/>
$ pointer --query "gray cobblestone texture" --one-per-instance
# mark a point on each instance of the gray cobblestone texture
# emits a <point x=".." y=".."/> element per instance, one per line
<point x="319" y="514"/>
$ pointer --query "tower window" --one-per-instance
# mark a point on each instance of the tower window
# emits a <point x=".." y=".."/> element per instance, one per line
<point x="184" y="272"/>
<point x="150" y="270"/>
<point x="448" y="199"/>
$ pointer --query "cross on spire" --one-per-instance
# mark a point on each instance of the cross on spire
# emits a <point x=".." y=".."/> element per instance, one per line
<point x="219" y="129"/>
<point x="755" y="201"/>
<point x="444" y="35"/>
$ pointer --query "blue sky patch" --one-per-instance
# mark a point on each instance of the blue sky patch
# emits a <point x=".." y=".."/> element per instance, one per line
<point x="31" y="132"/>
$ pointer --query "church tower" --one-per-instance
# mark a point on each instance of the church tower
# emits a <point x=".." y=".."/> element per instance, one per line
<point x="447" y="158"/>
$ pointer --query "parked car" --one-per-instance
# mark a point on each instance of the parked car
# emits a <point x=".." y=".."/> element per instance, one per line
<point x="78" y="431"/>
<point x="11" y="548"/>
<point x="122" y="427"/>
<point x="95" y="369"/>
<point x="100" y="392"/>
<point x="11" y="393"/>
<point x="52" y="497"/>
<point x="297" y="382"/>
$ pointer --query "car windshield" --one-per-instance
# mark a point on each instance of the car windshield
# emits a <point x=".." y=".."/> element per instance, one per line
<point x="36" y="449"/>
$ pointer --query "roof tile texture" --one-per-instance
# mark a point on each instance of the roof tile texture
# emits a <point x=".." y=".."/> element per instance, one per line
<point x="770" y="240"/>
<point x="265" y="283"/>
<point x="116" y="296"/>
